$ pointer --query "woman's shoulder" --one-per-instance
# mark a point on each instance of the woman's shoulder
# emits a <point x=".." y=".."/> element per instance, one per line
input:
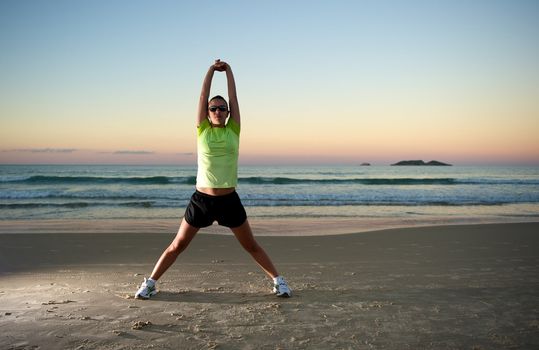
<point x="203" y="126"/>
<point x="233" y="125"/>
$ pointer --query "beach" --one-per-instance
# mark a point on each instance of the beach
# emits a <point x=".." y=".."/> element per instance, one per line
<point x="385" y="154"/>
<point x="439" y="287"/>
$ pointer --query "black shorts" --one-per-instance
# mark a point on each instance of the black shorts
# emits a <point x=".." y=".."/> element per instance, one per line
<point x="204" y="209"/>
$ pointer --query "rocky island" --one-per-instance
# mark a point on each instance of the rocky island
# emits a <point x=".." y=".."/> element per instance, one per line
<point x="420" y="162"/>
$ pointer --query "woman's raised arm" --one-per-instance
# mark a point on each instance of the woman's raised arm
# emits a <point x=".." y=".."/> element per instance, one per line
<point x="232" y="95"/>
<point x="205" y="95"/>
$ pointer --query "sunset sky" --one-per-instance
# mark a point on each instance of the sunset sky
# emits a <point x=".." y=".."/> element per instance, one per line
<point x="318" y="81"/>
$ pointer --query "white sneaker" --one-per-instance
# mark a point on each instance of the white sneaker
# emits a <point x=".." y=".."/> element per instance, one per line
<point x="146" y="290"/>
<point x="280" y="288"/>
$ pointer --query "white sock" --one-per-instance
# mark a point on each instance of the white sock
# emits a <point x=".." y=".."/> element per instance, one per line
<point x="278" y="279"/>
<point x="151" y="281"/>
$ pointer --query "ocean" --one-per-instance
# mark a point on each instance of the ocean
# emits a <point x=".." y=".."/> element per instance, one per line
<point x="92" y="192"/>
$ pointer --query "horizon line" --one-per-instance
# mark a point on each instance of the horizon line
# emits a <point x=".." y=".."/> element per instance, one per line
<point x="359" y="165"/>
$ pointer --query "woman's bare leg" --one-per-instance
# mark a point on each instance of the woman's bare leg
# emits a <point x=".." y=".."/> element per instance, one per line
<point x="184" y="236"/>
<point x="245" y="236"/>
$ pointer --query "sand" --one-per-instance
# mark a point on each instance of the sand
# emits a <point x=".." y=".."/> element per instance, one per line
<point x="446" y="287"/>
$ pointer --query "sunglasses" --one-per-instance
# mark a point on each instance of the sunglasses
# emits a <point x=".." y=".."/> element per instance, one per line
<point x="214" y="108"/>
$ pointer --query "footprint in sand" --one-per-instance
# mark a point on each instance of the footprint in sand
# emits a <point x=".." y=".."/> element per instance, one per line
<point x="141" y="324"/>
<point x="53" y="302"/>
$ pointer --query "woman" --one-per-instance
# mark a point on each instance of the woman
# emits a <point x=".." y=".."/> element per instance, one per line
<point x="215" y="198"/>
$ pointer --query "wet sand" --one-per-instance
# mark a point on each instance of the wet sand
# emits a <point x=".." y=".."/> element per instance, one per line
<point x="445" y="287"/>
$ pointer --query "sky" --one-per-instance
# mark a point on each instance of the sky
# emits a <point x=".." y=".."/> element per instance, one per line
<point x="319" y="82"/>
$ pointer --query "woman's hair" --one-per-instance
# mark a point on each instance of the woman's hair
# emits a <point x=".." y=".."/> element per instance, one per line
<point x="219" y="97"/>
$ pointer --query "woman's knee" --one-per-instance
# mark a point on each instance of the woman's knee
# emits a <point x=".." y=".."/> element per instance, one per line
<point x="183" y="238"/>
<point x="178" y="246"/>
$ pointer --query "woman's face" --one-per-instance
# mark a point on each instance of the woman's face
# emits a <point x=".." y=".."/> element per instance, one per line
<point x="218" y="112"/>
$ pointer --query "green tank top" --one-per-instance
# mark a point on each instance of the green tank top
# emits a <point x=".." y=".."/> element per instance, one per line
<point x="218" y="150"/>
